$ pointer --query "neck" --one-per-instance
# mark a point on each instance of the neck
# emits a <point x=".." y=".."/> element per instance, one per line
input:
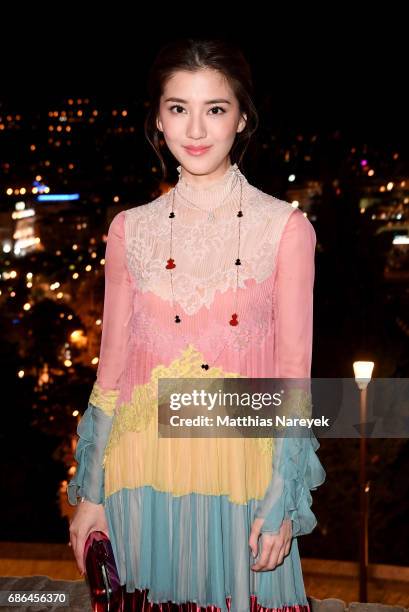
<point x="203" y="181"/>
<point x="212" y="194"/>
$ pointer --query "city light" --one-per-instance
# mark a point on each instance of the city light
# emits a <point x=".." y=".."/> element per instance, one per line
<point x="55" y="197"/>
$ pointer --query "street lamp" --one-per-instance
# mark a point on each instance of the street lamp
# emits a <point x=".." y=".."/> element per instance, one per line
<point x="363" y="374"/>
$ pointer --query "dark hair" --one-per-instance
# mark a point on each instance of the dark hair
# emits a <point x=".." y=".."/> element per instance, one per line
<point x="191" y="54"/>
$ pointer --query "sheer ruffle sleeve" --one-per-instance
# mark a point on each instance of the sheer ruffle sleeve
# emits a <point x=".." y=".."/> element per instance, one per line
<point x="96" y="423"/>
<point x="296" y="469"/>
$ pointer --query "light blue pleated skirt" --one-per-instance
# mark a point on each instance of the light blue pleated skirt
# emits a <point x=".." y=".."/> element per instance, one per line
<point x="194" y="548"/>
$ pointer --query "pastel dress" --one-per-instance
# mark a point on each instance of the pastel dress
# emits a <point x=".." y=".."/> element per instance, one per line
<point x="180" y="510"/>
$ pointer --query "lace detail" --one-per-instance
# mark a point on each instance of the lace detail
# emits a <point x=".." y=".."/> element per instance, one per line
<point x="105" y="399"/>
<point x="204" y="252"/>
<point x="138" y="414"/>
<point x="266" y="445"/>
<point x="297" y="404"/>
<point x="252" y="332"/>
<point x="209" y="197"/>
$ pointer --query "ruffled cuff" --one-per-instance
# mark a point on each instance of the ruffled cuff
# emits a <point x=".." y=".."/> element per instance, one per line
<point x="93" y="431"/>
<point x="105" y="399"/>
<point x="296" y="471"/>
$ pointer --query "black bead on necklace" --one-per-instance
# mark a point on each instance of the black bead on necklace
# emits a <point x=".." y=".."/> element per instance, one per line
<point x="171" y="265"/>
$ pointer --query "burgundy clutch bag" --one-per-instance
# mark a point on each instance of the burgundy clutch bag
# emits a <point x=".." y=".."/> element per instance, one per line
<point x="101" y="573"/>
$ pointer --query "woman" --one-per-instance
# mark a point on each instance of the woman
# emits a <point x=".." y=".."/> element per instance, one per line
<point x="212" y="279"/>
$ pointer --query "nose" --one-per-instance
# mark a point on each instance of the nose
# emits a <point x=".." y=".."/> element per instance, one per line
<point x="195" y="127"/>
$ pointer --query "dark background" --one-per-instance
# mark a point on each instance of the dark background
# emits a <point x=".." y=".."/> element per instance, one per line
<point x="321" y="69"/>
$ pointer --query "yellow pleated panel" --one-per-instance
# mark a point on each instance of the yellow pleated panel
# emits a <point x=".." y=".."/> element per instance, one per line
<point x="136" y="456"/>
<point x="235" y="467"/>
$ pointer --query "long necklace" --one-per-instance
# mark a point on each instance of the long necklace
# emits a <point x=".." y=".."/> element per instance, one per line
<point x="171" y="265"/>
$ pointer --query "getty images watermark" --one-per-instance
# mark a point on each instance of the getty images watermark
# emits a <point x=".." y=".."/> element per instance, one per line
<point x="278" y="407"/>
<point x="256" y="401"/>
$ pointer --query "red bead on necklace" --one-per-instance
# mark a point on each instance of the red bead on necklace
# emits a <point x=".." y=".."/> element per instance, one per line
<point x="170" y="265"/>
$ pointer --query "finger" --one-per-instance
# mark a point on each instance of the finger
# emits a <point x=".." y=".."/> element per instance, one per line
<point x="253" y="541"/>
<point x="265" y="554"/>
<point x="79" y="553"/>
<point x="271" y="563"/>
<point x="280" y="556"/>
<point x="73" y="540"/>
<point x="253" y="547"/>
<point x="273" y="557"/>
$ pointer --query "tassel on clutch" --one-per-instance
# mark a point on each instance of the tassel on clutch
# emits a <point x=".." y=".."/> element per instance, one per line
<point x="102" y="574"/>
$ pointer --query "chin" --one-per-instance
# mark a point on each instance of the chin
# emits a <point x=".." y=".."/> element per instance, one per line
<point x="206" y="160"/>
<point x="198" y="162"/>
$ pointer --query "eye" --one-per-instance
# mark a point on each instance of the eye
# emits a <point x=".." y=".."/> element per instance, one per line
<point x="176" y="106"/>
<point x="220" y="108"/>
<point x="211" y="109"/>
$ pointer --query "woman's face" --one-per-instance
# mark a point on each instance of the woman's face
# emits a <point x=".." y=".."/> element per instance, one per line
<point x="199" y="109"/>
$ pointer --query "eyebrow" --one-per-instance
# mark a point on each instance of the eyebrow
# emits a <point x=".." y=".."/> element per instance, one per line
<point x="207" y="102"/>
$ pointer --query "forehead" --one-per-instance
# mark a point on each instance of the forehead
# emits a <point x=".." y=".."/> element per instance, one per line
<point x="197" y="85"/>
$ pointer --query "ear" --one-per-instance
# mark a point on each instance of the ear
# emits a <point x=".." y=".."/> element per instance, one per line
<point x="242" y="123"/>
<point x="159" y="124"/>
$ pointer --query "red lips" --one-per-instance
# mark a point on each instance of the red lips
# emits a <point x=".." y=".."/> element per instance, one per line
<point x="197" y="148"/>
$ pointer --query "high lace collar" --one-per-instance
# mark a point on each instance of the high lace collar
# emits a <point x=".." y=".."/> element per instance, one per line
<point x="213" y="195"/>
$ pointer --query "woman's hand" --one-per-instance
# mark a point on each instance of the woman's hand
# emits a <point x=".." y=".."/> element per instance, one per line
<point x="88" y="517"/>
<point x="275" y="546"/>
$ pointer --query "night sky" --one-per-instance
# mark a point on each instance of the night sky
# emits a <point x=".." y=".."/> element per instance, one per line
<point x="338" y="66"/>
